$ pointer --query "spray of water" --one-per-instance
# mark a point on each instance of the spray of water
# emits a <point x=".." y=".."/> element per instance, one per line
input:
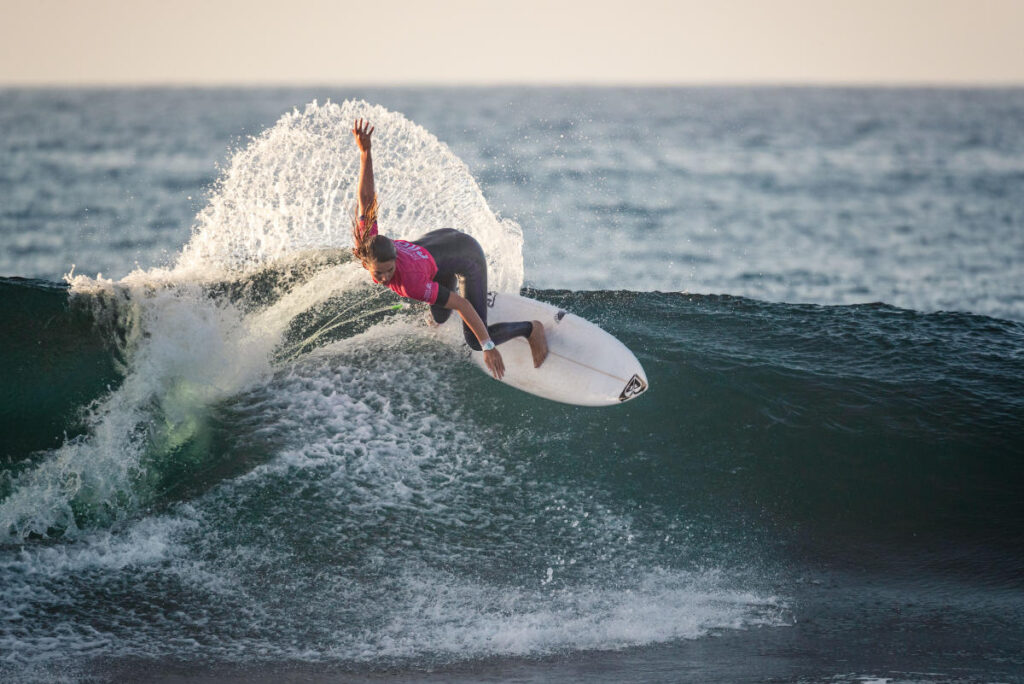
<point x="294" y="189"/>
<point x="270" y="247"/>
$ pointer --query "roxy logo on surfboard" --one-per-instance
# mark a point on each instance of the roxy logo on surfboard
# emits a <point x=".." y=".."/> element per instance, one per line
<point x="634" y="387"/>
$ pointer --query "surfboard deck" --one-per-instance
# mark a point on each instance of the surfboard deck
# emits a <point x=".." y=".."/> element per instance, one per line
<point x="585" y="366"/>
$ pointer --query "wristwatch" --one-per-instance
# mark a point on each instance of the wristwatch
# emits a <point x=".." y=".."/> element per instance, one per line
<point x="488" y="345"/>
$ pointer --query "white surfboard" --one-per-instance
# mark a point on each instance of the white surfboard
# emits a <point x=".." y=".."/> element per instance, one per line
<point x="585" y="365"/>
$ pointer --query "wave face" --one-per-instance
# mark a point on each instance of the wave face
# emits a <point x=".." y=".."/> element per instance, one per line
<point x="255" y="456"/>
<point x="869" y="403"/>
<point x="55" y="358"/>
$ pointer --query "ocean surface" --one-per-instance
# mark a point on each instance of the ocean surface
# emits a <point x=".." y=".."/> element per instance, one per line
<point x="227" y="456"/>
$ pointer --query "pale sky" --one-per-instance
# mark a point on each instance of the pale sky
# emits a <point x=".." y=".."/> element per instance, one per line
<point x="410" y="42"/>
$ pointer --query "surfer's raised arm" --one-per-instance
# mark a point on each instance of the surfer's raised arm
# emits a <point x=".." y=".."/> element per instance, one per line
<point x="362" y="130"/>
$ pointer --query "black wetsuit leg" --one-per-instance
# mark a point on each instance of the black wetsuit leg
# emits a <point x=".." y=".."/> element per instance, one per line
<point x="450" y="281"/>
<point x="458" y="254"/>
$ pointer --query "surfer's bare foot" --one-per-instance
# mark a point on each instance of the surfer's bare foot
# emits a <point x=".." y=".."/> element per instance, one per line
<point x="538" y="344"/>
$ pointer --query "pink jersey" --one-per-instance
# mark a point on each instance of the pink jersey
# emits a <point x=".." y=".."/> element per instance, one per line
<point x="414" y="271"/>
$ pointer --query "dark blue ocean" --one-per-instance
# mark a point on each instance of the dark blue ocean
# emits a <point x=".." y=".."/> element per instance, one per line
<point x="226" y="456"/>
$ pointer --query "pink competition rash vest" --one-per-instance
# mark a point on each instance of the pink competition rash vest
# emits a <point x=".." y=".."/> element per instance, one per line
<point x="414" y="270"/>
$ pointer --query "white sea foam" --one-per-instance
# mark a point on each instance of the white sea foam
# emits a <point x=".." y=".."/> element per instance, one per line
<point x="438" y="614"/>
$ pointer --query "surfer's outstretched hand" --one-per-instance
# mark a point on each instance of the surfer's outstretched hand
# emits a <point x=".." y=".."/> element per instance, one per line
<point x="362" y="130"/>
<point x="494" y="363"/>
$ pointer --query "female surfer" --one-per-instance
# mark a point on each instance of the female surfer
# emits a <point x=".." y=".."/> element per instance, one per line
<point x="426" y="269"/>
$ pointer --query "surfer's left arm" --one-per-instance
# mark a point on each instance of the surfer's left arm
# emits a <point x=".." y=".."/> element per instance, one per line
<point x="492" y="357"/>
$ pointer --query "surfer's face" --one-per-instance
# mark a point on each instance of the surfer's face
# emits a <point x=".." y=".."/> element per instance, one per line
<point x="380" y="271"/>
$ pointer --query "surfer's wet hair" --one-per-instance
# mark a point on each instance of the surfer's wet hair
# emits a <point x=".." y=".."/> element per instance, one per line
<point x="375" y="249"/>
<point x="370" y="248"/>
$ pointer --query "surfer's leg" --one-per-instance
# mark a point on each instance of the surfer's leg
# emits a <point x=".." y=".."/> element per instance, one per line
<point x="456" y="252"/>
<point x="474" y="289"/>
<point x="498" y="332"/>
<point x="474" y="284"/>
<point x="448" y="280"/>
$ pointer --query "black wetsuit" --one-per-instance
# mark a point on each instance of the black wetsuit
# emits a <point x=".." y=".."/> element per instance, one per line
<point x="459" y="255"/>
